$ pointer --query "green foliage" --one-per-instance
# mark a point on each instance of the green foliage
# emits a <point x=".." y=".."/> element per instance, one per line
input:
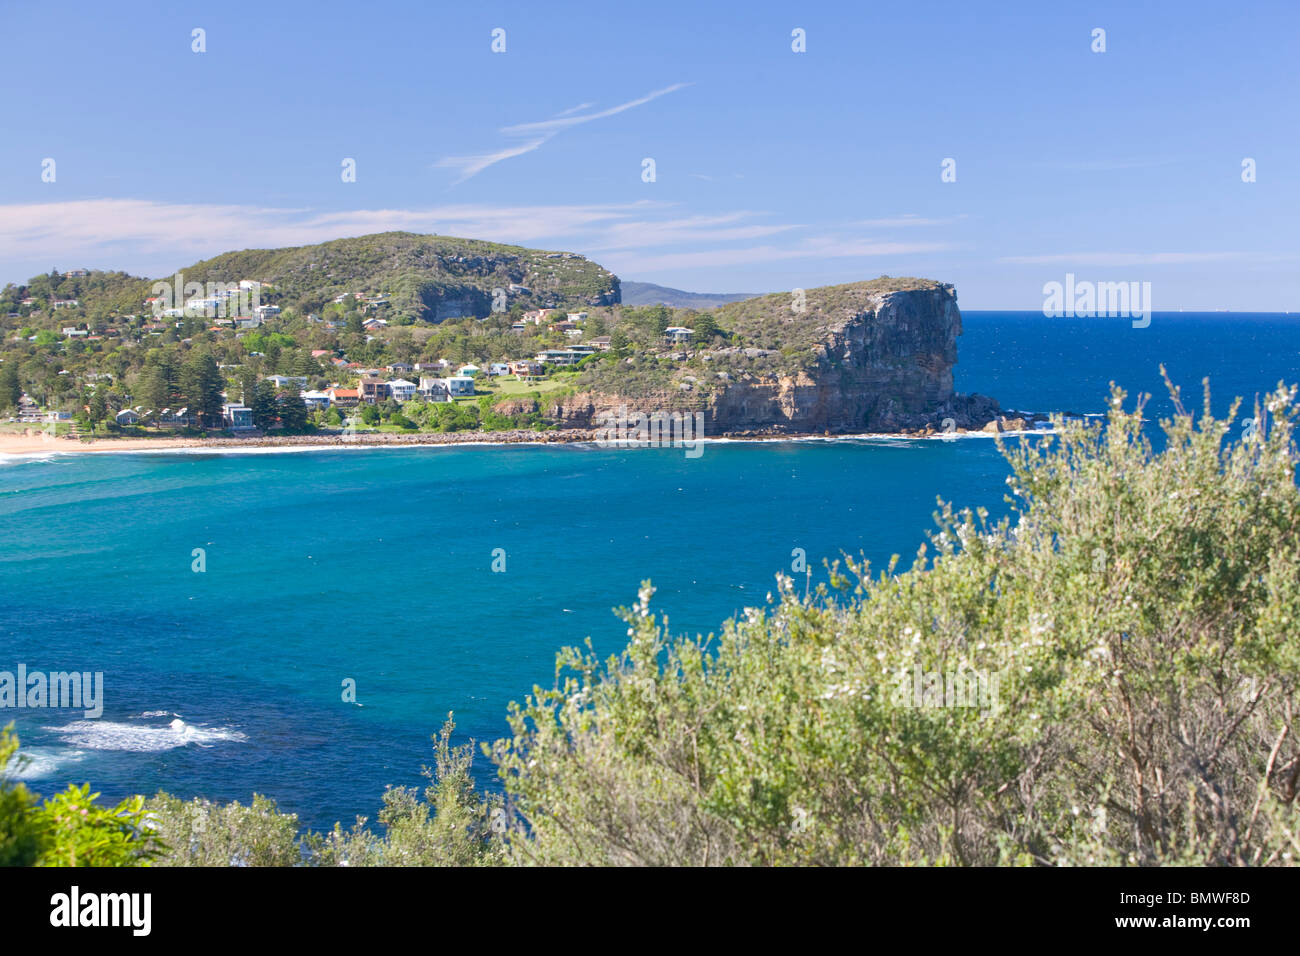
<point x="1138" y="619"/>
<point x="452" y="826"/>
<point x="76" y="831"/>
<point x="20" y="835"/>
<point x="202" y="833"/>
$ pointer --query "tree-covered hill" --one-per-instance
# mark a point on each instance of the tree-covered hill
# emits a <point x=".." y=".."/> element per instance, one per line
<point x="426" y="278"/>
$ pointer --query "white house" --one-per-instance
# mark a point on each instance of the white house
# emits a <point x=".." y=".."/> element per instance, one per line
<point x="238" y="417"/>
<point x="460" y="386"/>
<point x="402" y="390"/>
<point x="434" y="389"/>
<point x="284" y="381"/>
<point x="316" y="399"/>
<point x="677" y="335"/>
<point x="468" y="370"/>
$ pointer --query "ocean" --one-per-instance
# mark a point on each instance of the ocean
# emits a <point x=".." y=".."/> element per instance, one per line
<point x="375" y="565"/>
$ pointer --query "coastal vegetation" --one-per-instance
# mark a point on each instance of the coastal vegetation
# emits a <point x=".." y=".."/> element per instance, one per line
<point x="1107" y="676"/>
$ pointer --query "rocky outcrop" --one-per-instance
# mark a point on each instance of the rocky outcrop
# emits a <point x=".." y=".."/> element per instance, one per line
<point x="880" y="361"/>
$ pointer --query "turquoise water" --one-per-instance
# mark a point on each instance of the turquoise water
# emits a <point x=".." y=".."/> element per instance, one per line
<point x="375" y="565"/>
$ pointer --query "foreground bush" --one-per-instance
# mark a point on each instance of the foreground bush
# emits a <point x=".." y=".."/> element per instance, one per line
<point x="1124" y="660"/>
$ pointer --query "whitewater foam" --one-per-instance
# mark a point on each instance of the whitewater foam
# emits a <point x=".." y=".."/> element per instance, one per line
<point x="133" y="738"/>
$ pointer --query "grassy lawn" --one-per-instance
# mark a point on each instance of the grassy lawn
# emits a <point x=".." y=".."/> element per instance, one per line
<point x="509" y="386"/>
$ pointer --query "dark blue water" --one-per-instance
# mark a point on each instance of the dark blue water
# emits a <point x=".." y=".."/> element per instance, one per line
<point x="375" y="565"/>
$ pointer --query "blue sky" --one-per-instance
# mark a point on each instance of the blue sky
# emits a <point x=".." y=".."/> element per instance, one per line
<point x="774" y="169"/>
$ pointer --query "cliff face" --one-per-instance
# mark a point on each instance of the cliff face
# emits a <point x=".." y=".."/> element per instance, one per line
<point x="875" y="361"/>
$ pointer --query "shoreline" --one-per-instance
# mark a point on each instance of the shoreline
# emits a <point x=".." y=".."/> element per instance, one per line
<point x="36" y="443"/>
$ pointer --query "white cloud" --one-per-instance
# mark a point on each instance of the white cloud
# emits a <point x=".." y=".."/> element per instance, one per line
<point x="540" y="132"/>
<point x="1119" y="259"/>
<point x="822" y="247"/>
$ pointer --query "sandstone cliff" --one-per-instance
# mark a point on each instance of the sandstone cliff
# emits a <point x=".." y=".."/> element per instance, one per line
<point x="867" y="357"/>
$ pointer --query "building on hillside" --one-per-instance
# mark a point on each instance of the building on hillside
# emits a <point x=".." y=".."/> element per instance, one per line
<point x="434" y="389"/>
<point x="677" y="335"/>
<point x="287" y="381"/>
<point x="460" y="386"/>
<point x="316" y="399"/>
<point x="237" y="417"/>
<point x="402" y="390"/>
<point x="373" y="390"/>
<point x="127" y="417"/>
<point x="526" y="368"/>
<point x="344" y="397"/>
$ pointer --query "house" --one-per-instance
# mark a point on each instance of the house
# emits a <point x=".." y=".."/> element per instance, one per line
<point x="76" y="274"/>
<point x="526" y="368"/>
<point x="577" y="317"/>
<point x="601" y="342"/>
<point x="373" y="390"/>
<point x="320" y="353"/>
<point x="237" y="417"/>
<point x="316" y="399"/>
<point x="401" y="367"/>
<point x="288" y="381"/>
<point x="437" y="366"/>
<point x="248" y="321"/>
<point x="174" y="418"/>
<point x="371" y="325"/>
<point x="468" y="370"/>
<point x="518" y="326"/>
<point x="499" y="368"/>
<point x="127" y="417"/>
<point x="402" y="390"/>
<point x="460" y="386"/>
<point x="64" y="303"/>
<point x="434" y="389"/>
<point x="539" y="316"/>
<point x="267" y="311"/>
<point x="570" y="356"/>
<point x="677" y="335"/>
<point x="344" y="397"/>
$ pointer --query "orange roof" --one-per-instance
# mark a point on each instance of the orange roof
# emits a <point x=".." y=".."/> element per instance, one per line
<point x="345" y="392"/>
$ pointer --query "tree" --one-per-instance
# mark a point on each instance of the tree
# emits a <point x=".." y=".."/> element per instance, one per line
<point x="11" y="389"/>
<point x="705" y="328"/>
<point x="293" y="411"/>
<point x="98" y="409"/>
<point x="264" y="406"/>
<point x="201" y="385"/>
<point x="152" y="389"/>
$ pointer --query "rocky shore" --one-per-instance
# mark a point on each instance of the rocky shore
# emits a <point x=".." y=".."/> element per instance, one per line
<point x="34" y="442"/>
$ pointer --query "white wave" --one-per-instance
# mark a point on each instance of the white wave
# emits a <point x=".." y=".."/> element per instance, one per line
<point x="107" y="735"/>
<point x="43" y="762"/>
